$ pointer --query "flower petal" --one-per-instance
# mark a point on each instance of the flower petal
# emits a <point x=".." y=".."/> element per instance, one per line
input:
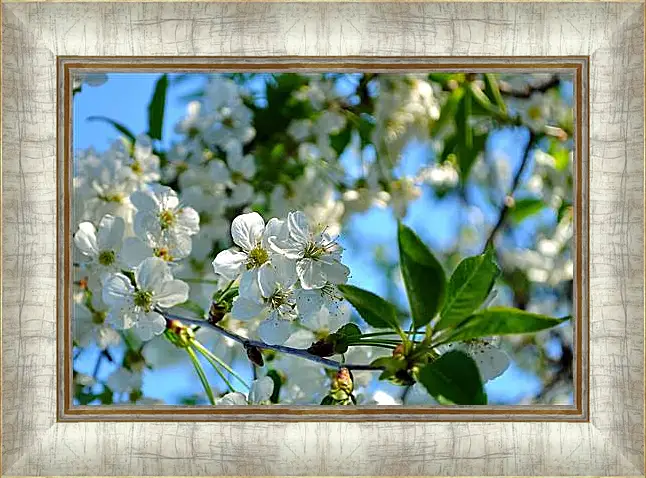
<point x="309" y="302"/>
<point x="299" y="228"/>
<point x="117" y="290"/>
<point x="247" y="229"/>
<point x="149" y="325"/>
<point x="261" y="390"/>
<point x="151" y="274"/>
<point x="85" y="239"/>
<point x="233" y="398"/>
<point x="268" y="280"/>
<point x="229" y="264"/>
<point x="172" y="292"/>
<point x="145" y="202"/>
<point x="311" y="274"/>
<point x="335" y="272"/>
<point x="491" y="361"/>
<point x="120" y="318"/>
<point x="146" y="226"/>
<point x="188" y="221"/>
<point x="110" y="234"/>
<point x="241" y="193"/>
<point x="134" y="251"/>
<point x="247" y="309"/>
<point x="277" y="229"/>
<point x="275" y="331"/>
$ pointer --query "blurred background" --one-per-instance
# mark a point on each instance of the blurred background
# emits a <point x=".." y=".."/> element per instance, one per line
<point x="454" y="213"/>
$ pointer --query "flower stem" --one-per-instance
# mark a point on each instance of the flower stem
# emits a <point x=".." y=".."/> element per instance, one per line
<point x="211" y="357"/>
<point x="201" y="374"/>
<point x="200" y="281"/>
<point x="373" y="344"/>
<point x="219" y="372"/>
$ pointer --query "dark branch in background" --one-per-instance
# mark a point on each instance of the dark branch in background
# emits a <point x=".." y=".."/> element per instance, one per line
<point x="516" y="182"/>
<point x="528" y="90"/>
<point x="262" y="345"/>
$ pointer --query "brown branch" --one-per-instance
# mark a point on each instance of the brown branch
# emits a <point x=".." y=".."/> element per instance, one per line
<point x="504" y="211"/>
<point x="262" y="345"/>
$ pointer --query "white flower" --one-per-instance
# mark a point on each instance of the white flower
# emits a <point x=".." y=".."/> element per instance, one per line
<point x="89" y="79"/>
<point x="168" y="247"/>
<point x="102" y="184"/>
<point x="144" y="164"/>
<point x="160" y="213"/>
<point x="322" y="308"/>
<point x="259" y="394"/>
<point x="134" y="305"/>
<point x="491" y="360"/>
<point x="269" y="298"/>
<point x="402" y="192"/>
<point x="123" y="380"/>
<point x="90" y="326"/>
<point x="102" y="247"/>
<point x="318" y="256"/>
<point x="251" y="235"/>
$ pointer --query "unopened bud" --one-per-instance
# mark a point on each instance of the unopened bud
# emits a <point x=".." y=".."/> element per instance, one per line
<point x="399" y="351"/>
<point x="216" y="313"/>
<point x="343" y="381"/>
<point x="254" y="355"/>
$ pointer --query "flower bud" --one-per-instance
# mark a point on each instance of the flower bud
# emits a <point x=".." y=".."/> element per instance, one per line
<point x="216" y="313"/>
<point x="254" y="355"/>
<point x="343" y="381"/>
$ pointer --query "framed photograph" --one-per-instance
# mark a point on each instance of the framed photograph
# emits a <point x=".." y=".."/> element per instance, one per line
<point x="223" y="233"/>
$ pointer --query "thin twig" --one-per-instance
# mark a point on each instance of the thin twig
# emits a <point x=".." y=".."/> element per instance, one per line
<point x="516" y="182"/>
<point x="262" y="345"/>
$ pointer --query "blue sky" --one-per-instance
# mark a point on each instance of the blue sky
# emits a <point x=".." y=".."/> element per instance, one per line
<point x="125" y="97"/>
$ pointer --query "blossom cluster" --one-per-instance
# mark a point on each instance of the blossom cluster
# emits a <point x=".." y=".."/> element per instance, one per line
<point x="286" y="268"/>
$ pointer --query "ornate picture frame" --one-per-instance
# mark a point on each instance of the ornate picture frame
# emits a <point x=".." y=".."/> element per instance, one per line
<point x="601" y="43"/>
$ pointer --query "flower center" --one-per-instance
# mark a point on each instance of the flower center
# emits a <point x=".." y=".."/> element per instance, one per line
<point x="256" y="257"/>
<point x="534" y="112"/>
<point x="279" y="298"/>
<point x="163" y="253"/>
<point x="236" y="177"/>
<point x="106" y="258"/>
<point x="332" y="293"/>
<point x="143" y="299"/>
<point x="313" y="250"/>
<point x="114" y="197"/>
<point x="136" y="168"/>
<point x="98" y="318"/>
<point x="166" y="219"/>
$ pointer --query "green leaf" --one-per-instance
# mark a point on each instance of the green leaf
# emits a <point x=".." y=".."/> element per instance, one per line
<point x="423" y="275"/>
<point x="502" y="321"/>
<point x="376" y="311"/>
<point x="454" y="376"/>
<point x="156" y="108"/>
<point x="493" y="92"/>
<point x="469" y="286"/>
<point x="524" y="208"/>
<point x="116" y="125"/>
<point x="342" y="338"/>
<point x="450" y="143"/>
<point x="447" y="113"/>
<point x="341" y="140"/>
<point x="466" y="149"/>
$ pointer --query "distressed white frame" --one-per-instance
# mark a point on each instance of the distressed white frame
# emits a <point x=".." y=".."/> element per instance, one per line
<point x="611" y="443"/>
